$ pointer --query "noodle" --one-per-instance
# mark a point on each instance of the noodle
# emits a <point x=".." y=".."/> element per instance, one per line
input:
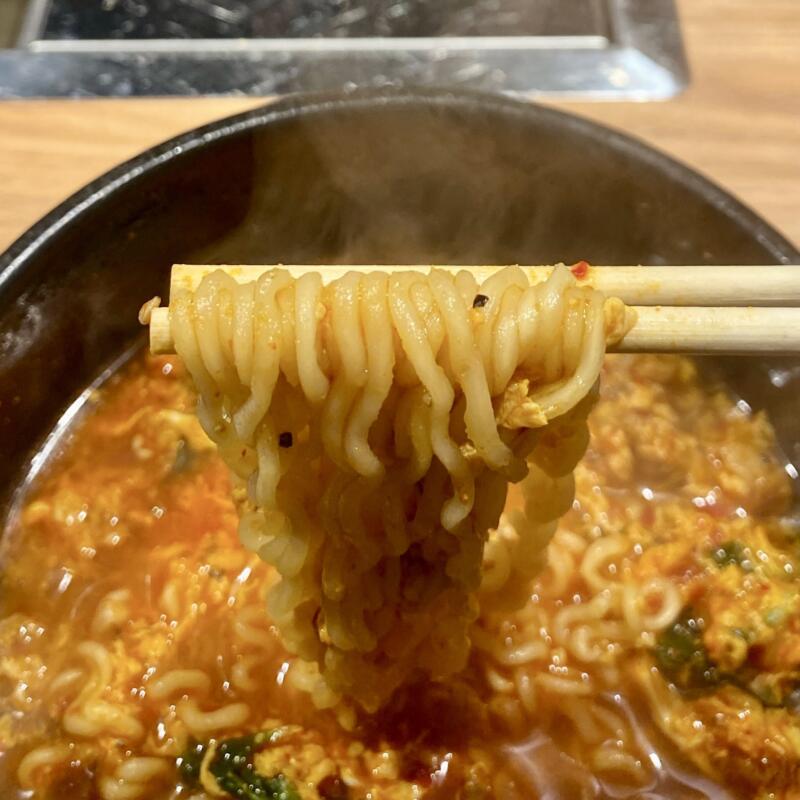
<point x="41" y="758"/>
<point x="179" y="680"/>
<point x="203" y="723"/>
<point x="134" y="778"/>
<point x="377" y="422"/>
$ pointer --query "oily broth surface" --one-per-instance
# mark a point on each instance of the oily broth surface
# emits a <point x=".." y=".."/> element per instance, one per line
<point x="125" y="558"/>
<point x="138" y="503"/>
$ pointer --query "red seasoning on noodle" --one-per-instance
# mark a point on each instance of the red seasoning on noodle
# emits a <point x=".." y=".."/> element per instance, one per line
<point x="580" y="269"/>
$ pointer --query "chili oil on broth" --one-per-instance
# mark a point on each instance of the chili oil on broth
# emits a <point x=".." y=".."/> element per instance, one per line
<point x="133" y="622"/>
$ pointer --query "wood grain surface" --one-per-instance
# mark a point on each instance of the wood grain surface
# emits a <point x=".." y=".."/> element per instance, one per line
<point x="738" y="123"/>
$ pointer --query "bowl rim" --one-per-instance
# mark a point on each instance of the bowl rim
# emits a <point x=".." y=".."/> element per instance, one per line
<point x="27" y="246"/>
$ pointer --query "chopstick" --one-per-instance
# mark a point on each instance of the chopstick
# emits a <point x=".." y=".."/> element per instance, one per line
<point x="641" y="286"/>
<point x="698" y="330"/>
<point x="733" y="310"/>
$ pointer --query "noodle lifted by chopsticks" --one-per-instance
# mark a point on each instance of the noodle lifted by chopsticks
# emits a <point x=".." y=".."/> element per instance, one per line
<point x="377" y="422"/>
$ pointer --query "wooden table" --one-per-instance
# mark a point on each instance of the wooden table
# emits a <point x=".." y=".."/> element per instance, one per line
<point x="739" y="122"/>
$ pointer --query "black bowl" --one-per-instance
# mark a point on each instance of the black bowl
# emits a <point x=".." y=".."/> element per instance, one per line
<point x="366" y="178"/>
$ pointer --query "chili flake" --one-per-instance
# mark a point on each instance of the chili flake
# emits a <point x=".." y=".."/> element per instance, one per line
<point x="580" y="269"/>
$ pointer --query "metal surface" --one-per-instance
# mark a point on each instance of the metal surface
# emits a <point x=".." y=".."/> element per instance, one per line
<point x="303" y="19"/>
<point x="11" y="15"/>
<point x="598" y="48"/>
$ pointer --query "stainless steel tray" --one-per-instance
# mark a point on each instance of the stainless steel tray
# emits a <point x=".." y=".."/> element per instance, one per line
<point x="619" y="49"/>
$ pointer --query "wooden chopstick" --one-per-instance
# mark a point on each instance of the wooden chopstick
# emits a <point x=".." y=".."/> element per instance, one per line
<point x="691" y="310"/>
<point x="696" y="330"/>
<point x="638" y="286"/>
